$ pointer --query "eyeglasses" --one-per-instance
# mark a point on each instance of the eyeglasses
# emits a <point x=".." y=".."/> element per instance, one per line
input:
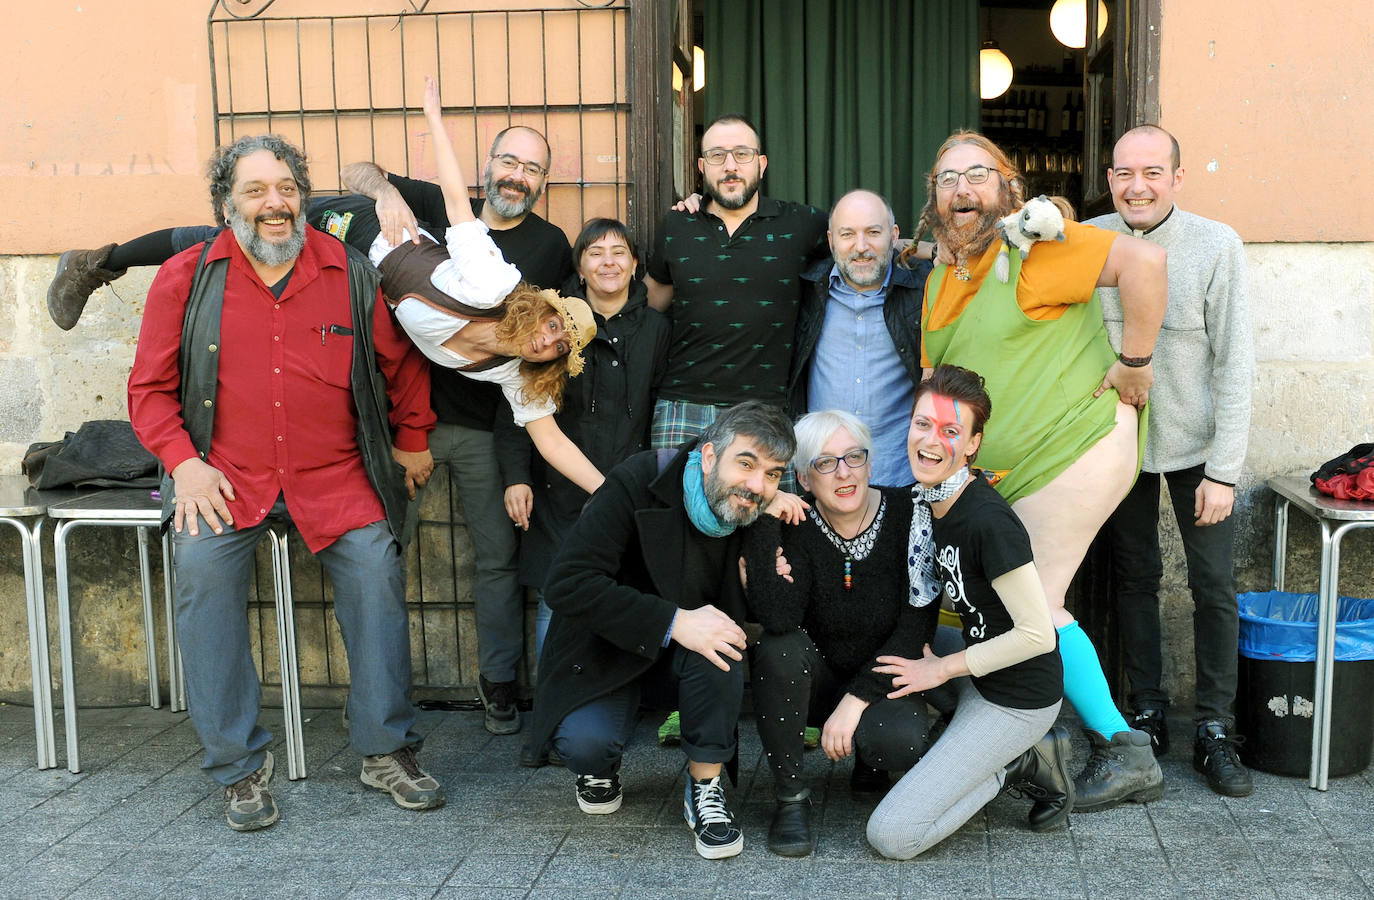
<point x="973" y="175"/>
<point x="743" y="155"/>
<point x="854" y="459"/>
<point x="510" y="163"/>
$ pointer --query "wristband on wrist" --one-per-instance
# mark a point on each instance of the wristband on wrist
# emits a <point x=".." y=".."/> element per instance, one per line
<point x="1135" y="362"/>
<point x="1228" y="484"/>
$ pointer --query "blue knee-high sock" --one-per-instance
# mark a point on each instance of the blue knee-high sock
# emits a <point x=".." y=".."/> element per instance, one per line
<point x="1084" y="684"/>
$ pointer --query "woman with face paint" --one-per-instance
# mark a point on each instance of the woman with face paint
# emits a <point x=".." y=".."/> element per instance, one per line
<point x="1002" y="678"/>
<point x="841" y="607"/>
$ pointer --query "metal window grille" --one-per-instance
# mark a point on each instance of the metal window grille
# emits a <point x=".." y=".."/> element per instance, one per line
<point x="348" y="87"/>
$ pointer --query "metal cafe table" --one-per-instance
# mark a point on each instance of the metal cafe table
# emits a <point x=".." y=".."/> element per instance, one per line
<point x="119" y="508"/>
<point x="128" y="507"/>
<point x="24" y="507"/>
<point x="1336" y="517"/>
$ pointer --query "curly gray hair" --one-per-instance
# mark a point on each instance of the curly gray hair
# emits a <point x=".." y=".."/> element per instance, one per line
<point x="225" y="160"/>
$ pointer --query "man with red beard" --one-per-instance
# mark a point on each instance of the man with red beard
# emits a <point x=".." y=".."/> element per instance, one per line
<point x="731" y="273"/>
<point x="1063" y="448"/>
<point x="513" y="179"/>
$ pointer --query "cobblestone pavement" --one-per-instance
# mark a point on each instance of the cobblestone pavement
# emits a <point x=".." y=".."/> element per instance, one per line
<point x="141" y="821"/>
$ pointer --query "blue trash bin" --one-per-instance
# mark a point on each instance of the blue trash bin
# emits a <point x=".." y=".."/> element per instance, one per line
<point x="1277" y="673"/>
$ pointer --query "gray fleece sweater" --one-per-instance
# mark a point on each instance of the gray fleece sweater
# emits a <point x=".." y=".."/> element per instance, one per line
<point x="1204" y="361"/>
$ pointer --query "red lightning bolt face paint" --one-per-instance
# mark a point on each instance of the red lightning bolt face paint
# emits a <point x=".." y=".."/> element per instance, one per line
<point x="947" y="415"/>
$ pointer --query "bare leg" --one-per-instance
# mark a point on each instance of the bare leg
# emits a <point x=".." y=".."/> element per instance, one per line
<point x="1065" y="515"/>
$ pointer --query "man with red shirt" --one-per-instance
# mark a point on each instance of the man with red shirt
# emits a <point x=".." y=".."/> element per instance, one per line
<point x="272" y="340"/>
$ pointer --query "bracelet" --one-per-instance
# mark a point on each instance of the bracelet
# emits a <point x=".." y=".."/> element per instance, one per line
<point x="1218" y="481"/>
<point x="1135" y="362"/>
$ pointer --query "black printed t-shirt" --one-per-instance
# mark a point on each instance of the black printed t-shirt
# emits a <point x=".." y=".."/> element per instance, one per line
<point x="978" y="540"/>
<point x="735" y="299"/>
<point x="538" y="248"/>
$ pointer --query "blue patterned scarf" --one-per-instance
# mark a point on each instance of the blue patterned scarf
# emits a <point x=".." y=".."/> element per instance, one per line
<point x="698" y="507"/>
<point x="925" y="584"/>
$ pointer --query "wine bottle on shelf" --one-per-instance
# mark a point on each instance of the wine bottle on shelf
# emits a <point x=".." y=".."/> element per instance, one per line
<point x="1080" y="114"/>
<point x="1066" y="115"/>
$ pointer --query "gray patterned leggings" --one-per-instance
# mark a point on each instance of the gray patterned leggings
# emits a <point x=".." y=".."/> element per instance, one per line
<point x="958" y="776"/>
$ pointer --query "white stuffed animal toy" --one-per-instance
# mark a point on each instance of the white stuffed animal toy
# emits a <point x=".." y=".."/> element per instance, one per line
<point x="1039" y="220"/>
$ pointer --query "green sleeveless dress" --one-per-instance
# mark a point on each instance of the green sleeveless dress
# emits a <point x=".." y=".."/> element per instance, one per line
<point x="1040" y="375"/>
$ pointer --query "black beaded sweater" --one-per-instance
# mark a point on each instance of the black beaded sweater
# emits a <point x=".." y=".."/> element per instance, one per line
<point x="849" y="628"/>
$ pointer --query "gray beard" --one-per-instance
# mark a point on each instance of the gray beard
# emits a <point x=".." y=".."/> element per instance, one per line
<point x="718" y="496"/>
<point x="508" y="209"/>
<point x="265" y="251"/>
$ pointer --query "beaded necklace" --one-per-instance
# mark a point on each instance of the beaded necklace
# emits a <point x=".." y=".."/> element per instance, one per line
<point x="857" y="547"/>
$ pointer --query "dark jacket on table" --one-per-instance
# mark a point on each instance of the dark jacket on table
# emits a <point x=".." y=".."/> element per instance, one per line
<point x="606" y="412"/>
<point x="849" y="628"/>
<point x="901" y="313"/>
<point x="617" y="582"/>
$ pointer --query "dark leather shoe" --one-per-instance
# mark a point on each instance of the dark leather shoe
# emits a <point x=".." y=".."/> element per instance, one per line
<point x="867" y="780"/>
<point x="79" y="273"/>
<point x="1121" y="770"/>
<point x="1214" y="755"/>
<point x="791" y="834"/>
<point x="1153" y="723"/>
<point x="1042" y="774"/>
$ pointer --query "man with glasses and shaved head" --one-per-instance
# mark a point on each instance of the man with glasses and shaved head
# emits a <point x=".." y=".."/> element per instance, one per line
<point x="514" y="177"/>
<point x="728" y="274"/>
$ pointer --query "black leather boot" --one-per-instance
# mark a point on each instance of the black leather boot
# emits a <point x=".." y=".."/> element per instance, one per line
<point x="1120" y="770"/>
<point x="1042" y="774"/>
<point x="791" y="833"/>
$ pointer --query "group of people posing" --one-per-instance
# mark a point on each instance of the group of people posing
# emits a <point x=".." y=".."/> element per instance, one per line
<point x="955" y="437"/>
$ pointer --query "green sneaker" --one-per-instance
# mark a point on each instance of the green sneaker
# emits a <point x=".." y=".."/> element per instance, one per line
<point x="811" y="738"/>
<point x="670" y="732"/>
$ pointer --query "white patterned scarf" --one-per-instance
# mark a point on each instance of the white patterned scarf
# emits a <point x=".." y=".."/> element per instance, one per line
<point x="925" y="584"/>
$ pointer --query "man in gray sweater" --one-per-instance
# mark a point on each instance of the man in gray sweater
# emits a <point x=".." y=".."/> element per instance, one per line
<point x="1199" y="425"/>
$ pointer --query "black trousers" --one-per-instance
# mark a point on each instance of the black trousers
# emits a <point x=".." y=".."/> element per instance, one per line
<point x="794" y="686"/>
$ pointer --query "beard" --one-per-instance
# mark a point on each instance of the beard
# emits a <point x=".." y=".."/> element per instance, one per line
<point x="971" y="239"/>
<point x="718" y="495"/>
<point x="727" y="201"/>
<point x="870" y="278"/>
<point x="269" y="253"/>
<point x="509" y="209"/>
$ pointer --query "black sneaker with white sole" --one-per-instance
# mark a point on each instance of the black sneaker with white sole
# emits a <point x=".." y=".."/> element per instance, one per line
<point x="599" y="796"/>
<point x="703" y="806"/>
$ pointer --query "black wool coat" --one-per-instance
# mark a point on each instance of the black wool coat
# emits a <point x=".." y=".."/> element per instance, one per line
<point x="616" y="583"/>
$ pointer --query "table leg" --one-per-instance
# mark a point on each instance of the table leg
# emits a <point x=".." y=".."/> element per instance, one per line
<point x="176" y="678"/>
<point x="286" y="641"/>
<point x="149" y="635"/>
<point x="64" y="617"/>
<point x="31" y="550"/>
<point x="1280" y="540"/>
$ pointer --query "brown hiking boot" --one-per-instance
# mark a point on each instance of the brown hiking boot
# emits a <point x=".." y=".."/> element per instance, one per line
<point x="79" y="273"/>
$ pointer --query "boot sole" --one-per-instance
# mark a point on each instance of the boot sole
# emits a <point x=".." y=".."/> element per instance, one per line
<point x="721" y="851"/>
<point x="600" y="809"/>
<point x="1144" y="795"/>
<point x="1063" y="752"/>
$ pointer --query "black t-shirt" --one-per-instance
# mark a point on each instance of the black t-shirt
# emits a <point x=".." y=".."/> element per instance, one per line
<point x="735" y="299"/>
<point x="352" y="218"/>
<point x="540" y="251"/>
<point x="978" y="540"/>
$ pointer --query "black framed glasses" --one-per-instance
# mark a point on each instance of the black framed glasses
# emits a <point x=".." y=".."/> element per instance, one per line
<point x="743" y="155"/>
<point x="854" y="459"/>
<point x="511" y="163"/>
<point x="973" y="175"/>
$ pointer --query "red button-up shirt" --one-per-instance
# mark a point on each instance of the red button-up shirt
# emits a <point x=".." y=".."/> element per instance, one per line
<point x="285" y="420"/>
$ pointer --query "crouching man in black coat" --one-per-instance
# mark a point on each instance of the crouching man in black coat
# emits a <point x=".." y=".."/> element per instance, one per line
<point x="646" y="601"/>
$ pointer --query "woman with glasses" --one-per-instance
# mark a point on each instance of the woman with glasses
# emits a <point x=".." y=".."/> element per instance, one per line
<point x="831" y="594"/>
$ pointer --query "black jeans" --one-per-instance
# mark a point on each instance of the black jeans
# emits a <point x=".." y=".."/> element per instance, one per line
<point x="1137" y="568"/>
<point x="591" y="739"/>
<point x="794" y="686"/>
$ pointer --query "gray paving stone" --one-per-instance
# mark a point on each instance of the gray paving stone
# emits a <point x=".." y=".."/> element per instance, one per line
<point x="498" y="870"/>
<point x="1045" y="880"/>
<point x="391" y="891"/>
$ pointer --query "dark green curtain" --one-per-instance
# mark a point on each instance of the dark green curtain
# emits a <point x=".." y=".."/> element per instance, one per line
<point x="848" y="93"/>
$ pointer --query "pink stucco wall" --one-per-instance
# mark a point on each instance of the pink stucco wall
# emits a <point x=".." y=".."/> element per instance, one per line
<point x="1273" y="104"/>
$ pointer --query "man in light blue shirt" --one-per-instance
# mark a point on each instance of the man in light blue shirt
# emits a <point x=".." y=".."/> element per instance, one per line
<point x="858" y="344"/>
